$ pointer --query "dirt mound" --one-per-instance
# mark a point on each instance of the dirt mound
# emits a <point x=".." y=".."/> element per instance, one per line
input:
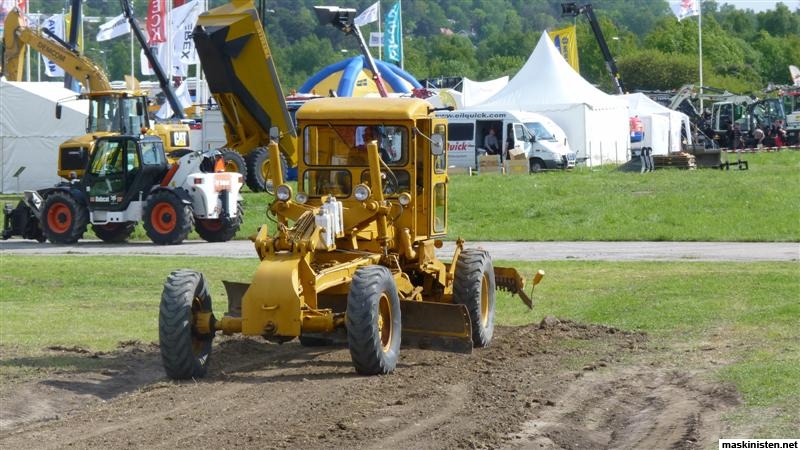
<point x="558" y="384"/>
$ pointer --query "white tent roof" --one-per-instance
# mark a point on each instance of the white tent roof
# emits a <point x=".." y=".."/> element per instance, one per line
<point x="30" y="133"/>
<point x="596" y="123"/>
<point x="547" y="79"/>
<point x="476" y="92"/>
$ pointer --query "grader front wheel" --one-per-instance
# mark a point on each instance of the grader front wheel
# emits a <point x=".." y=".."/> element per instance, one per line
<point x="185" y="351"/>
<point x="373" y="321"/>
<point x="474" y="287"/>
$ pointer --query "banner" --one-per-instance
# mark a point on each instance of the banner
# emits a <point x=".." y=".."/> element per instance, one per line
<point x="685" y="8"/>
<point x="55" y="24"/>
<point x="566" y="42"/>
<point x="155" y="22"/>
<point x="118" y="26"/>
<point x="369" y="15"/>
<point x="393" y="35"/>
<point x="376" y="39"/>
<point x="182" y="22"/>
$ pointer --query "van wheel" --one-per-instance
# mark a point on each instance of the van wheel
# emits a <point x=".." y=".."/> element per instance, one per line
<point x="536" y="165"/>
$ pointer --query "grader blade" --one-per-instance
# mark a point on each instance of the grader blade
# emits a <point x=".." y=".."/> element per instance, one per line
<point x="235" y="291"/>
<point x="509" y="280"/>
<point x="437" y="326"/>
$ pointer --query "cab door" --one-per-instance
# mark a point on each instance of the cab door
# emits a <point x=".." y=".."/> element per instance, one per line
<point x="437" y="168"/>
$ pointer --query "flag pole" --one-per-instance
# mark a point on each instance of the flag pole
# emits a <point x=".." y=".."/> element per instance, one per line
<point x="700" y="50"/>
<point x="400" y="14"/>
<point x="380" y="47"/>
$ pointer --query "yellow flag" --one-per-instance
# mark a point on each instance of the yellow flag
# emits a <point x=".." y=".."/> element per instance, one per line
<point x="67" y="20"/>
<point x="567" y="44"/>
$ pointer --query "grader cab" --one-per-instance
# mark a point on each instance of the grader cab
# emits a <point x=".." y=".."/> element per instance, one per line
<point x="354" y="249"/>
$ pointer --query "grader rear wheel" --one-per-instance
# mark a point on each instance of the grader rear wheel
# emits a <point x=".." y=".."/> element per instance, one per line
<point x="474" y="287"/>
<point x="185" y="352"/>
<point x="373" y="321"/>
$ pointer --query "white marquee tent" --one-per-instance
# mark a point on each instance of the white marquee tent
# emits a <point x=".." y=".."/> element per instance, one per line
<point x="30" y="133"/>
<point x="596" y="124"/>
<point x="642" y="106"/>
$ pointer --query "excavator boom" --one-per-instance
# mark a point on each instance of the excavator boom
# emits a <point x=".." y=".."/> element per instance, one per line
<point x="17" y="36"/>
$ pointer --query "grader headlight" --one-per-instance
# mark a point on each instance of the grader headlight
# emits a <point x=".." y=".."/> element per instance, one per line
<point x="362" y="192"/>
<point x="404" y="199"/>
<point x="283" y="192"/>
<point x="301" y="198"/>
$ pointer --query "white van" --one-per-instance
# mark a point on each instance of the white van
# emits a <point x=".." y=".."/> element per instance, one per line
<point x="542" y="142"/>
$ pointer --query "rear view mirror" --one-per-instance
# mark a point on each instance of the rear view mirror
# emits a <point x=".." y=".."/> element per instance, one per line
<point x="58" y="110"/>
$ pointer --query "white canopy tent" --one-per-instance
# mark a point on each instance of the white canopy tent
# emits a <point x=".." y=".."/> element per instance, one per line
<point x="642" y="106"/>
<point x="476" y="92"/>
<point x="30" y="133"/>
<point x="596" y="124"/>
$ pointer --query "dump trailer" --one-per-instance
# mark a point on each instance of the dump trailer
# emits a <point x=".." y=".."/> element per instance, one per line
<point x="241" y="74"/>
<point x="129" y="180"/>
<point x="354" y="249"/>
<point x="111" y="111"/>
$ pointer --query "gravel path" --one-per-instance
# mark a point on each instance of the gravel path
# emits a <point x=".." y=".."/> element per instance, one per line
<point x="527" y="251"/>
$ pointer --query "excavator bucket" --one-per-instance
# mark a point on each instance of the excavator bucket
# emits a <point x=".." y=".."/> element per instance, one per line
<point x="437" y="326"/>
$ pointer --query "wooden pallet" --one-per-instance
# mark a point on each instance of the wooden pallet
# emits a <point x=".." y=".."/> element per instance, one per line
<point x="675" y="160"/>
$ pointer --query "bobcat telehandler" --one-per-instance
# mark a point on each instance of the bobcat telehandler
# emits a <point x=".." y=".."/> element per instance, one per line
<point x="354" y="249"/>
<point x="127" y="180"/>
<point x="111" y="111"/>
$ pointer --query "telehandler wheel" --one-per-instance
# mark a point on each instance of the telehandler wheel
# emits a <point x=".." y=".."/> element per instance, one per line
<point x="259" y="169"/>
<point x="234" y="162"/>
<point x="474" y="287"/>
<point x="167" y="220"/>
<point x="218" y="230"/>
<point x="64" y="218"/>
<point x="185" y="352"/>
<point x="114" y="232"/>
<point x="373" y="321"/>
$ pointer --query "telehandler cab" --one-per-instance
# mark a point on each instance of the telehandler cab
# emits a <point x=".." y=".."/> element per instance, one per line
<point x="353" y="249"/>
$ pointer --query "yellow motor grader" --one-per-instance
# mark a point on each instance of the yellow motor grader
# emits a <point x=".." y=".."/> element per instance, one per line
<point x="353" y="249"/>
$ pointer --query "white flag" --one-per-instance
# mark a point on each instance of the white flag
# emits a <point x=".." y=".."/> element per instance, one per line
<point x="184" y="99"/>
<point x="376" y="39"/>
<point x="117" y="26"/>
<point x="55" y="24"/>
<point x="160" y="53"/>
<point x="183" y="20"/>
<point x="795" y="75"/>
<point x="369" y="15"/>
<point x="685" y="8"/>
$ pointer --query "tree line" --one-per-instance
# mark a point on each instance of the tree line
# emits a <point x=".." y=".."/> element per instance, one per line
<point x="743" y="51"/>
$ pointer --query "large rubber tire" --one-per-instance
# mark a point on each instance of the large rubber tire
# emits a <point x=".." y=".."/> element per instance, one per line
<point x="167" y="220"/>
<point x="218" y="230"/>
<point x="184" y="352"/>
<point x="474" y="287"/>
<point x="373" y="321"/>
<point x="259" y="169"/>
<point x="234" y="162"/>
<point x="114" y="232"/>
<point x="64" y="218"/>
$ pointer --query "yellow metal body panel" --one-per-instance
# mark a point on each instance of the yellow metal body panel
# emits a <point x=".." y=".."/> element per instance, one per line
<point x="271" y="305"/>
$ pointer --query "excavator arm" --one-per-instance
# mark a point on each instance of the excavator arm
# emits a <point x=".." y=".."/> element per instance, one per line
<point x="17" y="36"/>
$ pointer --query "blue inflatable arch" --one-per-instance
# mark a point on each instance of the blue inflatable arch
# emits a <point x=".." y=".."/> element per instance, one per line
<point x="392" y="75"/>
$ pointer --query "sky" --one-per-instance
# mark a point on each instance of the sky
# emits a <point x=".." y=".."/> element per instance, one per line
<point x="761" y="5"/>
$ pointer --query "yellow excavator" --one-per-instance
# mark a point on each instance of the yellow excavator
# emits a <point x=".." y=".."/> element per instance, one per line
<point x="111" y="112"/>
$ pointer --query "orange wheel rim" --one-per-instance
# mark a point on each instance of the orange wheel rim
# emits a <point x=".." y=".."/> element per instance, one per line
<point x="163" y="218"/>
<point x="59" y="218"/>
<point x="385" y="322"/>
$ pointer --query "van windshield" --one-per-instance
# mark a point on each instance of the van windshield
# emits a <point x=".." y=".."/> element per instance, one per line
<point x="540" y="131"/>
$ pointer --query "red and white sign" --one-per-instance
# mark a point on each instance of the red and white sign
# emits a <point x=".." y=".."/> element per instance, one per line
<point x="156" y="22"/>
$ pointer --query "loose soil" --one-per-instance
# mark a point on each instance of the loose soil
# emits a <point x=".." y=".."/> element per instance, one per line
<point x="558" y="384"/>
